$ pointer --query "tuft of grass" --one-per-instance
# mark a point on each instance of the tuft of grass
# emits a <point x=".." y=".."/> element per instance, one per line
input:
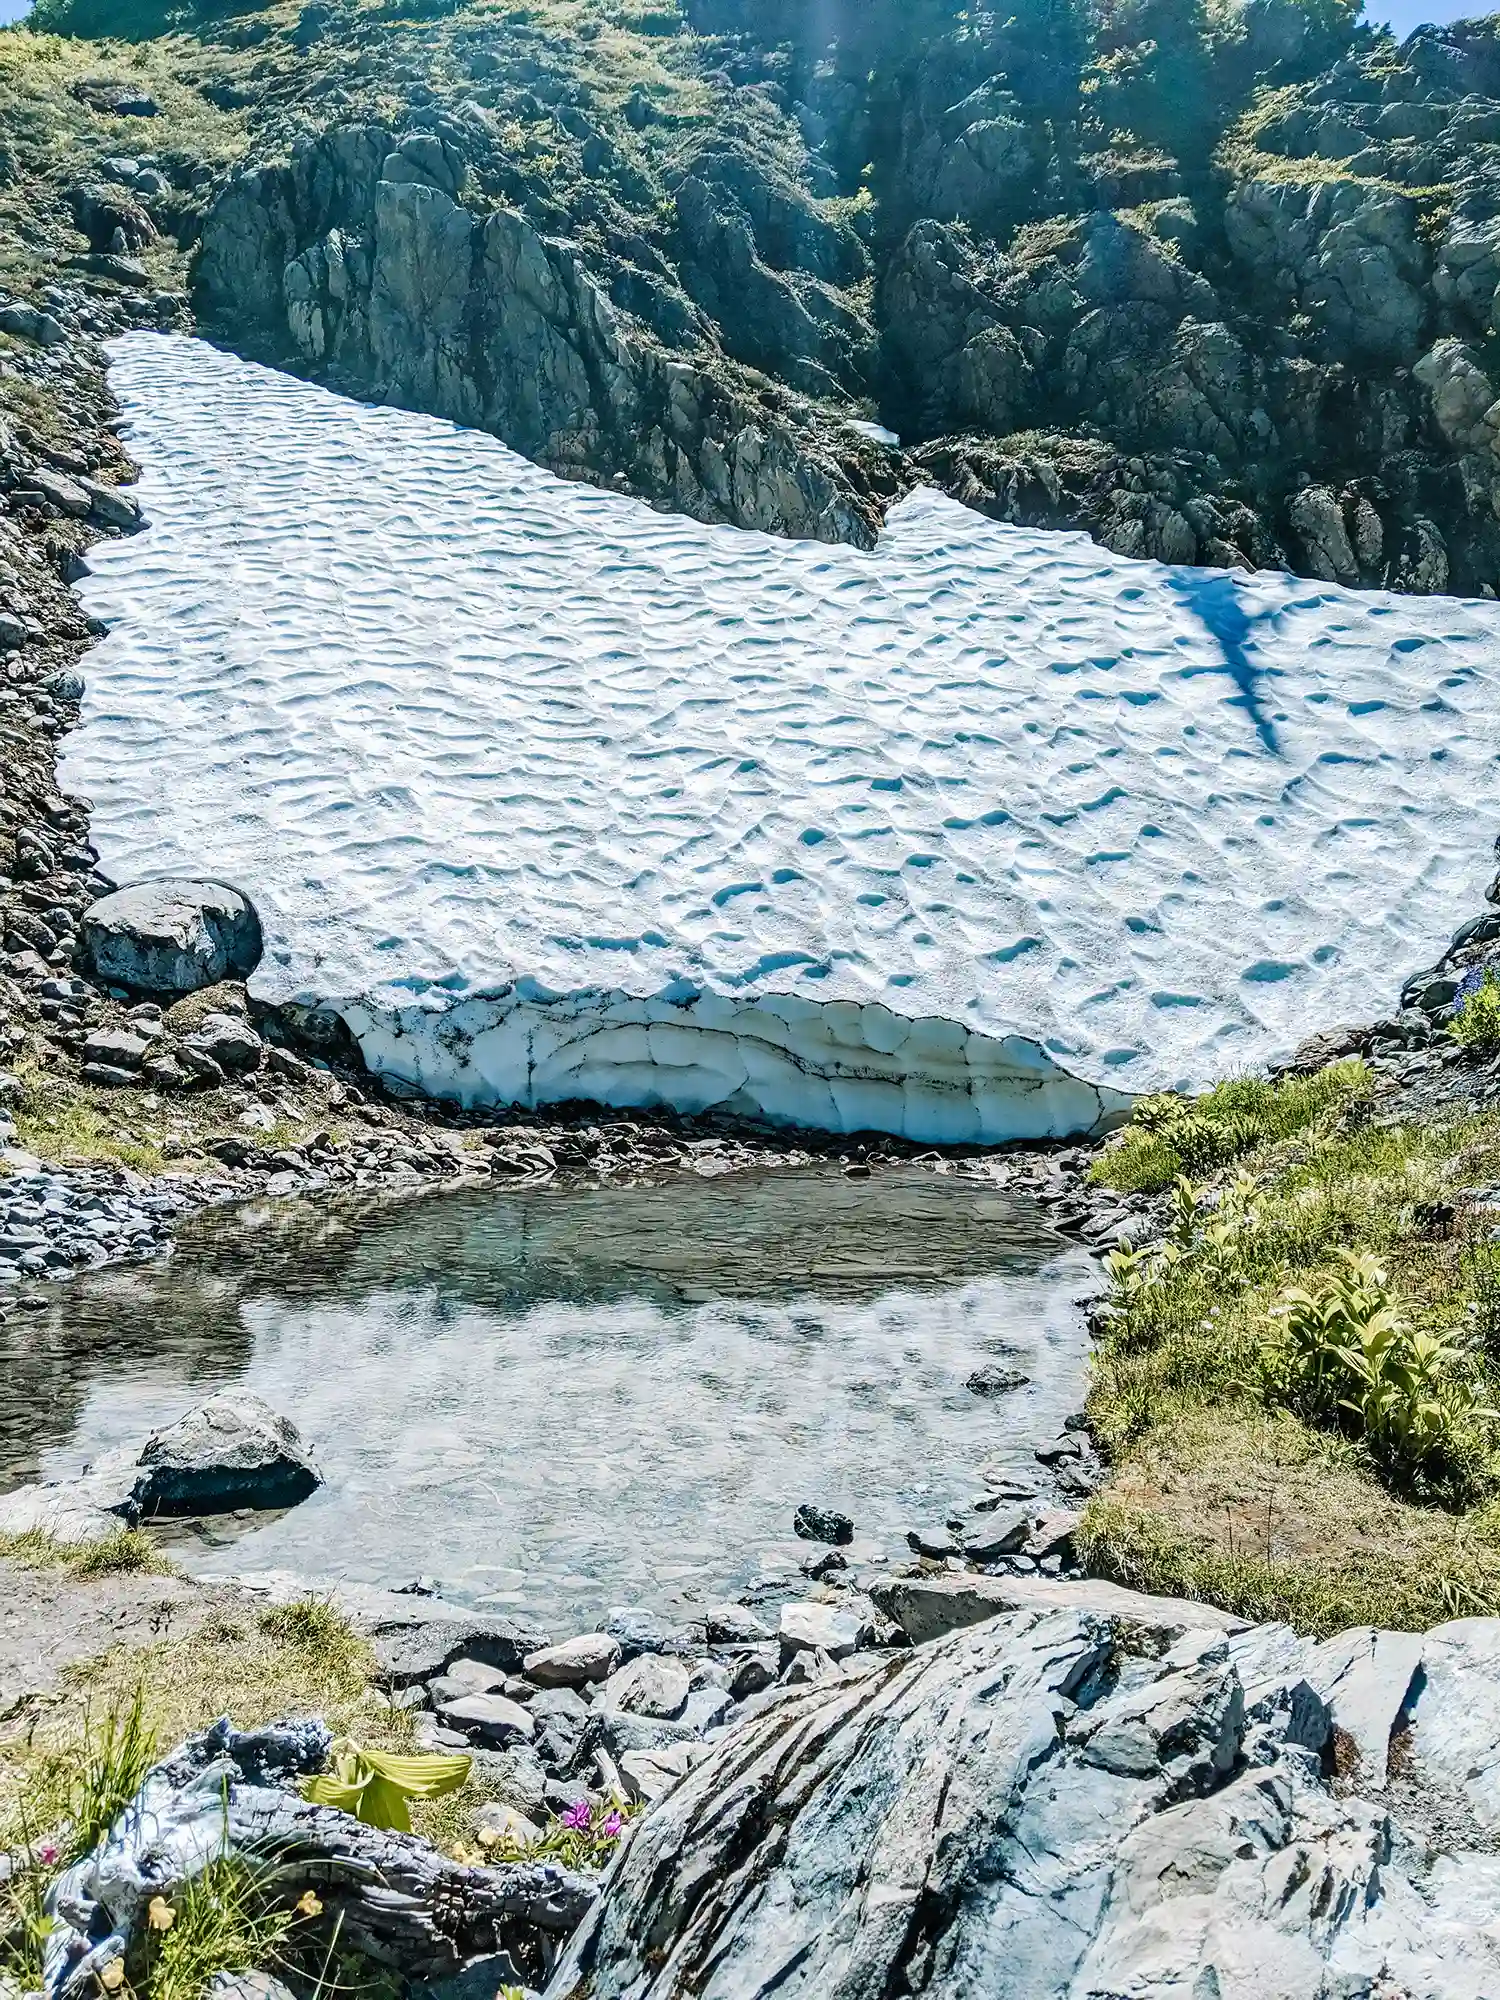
<point x="1169" y="1136"/>
<point x="63" y="1122"/>
<point x="126" y="1552"/>
<point x="224" y="1919"/>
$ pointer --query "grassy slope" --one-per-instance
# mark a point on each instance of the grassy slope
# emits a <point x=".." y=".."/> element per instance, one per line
<point x="1217" y="1494"/>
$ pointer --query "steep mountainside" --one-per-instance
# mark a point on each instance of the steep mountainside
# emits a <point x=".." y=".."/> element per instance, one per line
<point x="1215" y="282"/>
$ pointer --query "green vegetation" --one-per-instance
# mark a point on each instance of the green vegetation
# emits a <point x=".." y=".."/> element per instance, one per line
<point x="1169" y="1136"/>
<point x="1297" y="1385"/>
<point x="375" y="1785"/>
<point x="224" y="1919"/>
<point x="1476" y="1017"/>
<point x="122" y="1553"/>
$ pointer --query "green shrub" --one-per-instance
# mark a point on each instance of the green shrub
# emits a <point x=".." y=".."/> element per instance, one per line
<point x="1346" y="1357"/>
<point x="1476" y="1018"/>
<point x="1170" y="1136"/>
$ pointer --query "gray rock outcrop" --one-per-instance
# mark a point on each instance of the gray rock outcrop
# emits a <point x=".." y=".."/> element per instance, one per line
<point x="172" y="936"/>
<point x="1088" y="1794"/>
<point x="372" y="257"/>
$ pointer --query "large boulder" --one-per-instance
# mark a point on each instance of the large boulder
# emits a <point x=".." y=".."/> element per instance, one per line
<point x="232" y="1451"/>
<point x="172" y="936"/>
<point x="1089" y="1794"/>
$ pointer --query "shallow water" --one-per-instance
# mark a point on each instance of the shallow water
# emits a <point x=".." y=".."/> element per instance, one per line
<point x="565" y="1401"/>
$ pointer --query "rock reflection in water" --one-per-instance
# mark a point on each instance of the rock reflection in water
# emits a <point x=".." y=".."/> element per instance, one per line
<point x="573" y="1400"/>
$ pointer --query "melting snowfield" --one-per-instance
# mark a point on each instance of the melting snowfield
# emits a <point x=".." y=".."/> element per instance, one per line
<point x="555" y="796"/>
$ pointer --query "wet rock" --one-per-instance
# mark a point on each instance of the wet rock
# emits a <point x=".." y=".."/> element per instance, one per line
<point x="823" y="1524"/>
<point x="232" y="1451"/>
<point x="992" y="1379"/>
<point x="171" y="937"/>
<point x="1003" y="1534"/>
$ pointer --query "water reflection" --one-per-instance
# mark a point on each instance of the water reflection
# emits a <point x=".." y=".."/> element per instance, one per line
<point x="572" y="1400"/>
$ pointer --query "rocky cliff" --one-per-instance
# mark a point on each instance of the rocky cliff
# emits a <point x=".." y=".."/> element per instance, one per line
<point x="1216" y="285"/>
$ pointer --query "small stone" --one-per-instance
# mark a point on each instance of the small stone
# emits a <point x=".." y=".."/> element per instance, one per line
<point x="994" y="1380"/>
<point x="751" y="1671"/>
<point x="65" y="494"/>
<point x="822" y="1524"/>
<point x="1002" y="1536"/>
<point x="1069" y="1445"/>
<point x="934" y="1543"/>
<point x="651" y="1685"/>
<point x="811" y="1627"/>
<point x="467" y="1676"/>
<point x="494" y="1718"/>
<point x="123" y="1048"/>
<point x="592" y="1656"/>
<point x="497" y="1822"/>
<point x="31" y="323"/>
<point x="733" y="1625"/>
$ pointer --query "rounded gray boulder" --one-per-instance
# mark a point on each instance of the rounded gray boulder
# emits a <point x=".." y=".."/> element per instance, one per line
<point x="172" y="936"/>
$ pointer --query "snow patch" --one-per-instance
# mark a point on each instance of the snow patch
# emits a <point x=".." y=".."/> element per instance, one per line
<point x="553" y="795"/>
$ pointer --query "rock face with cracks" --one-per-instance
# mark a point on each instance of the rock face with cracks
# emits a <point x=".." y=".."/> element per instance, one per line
<point x="1091" y="1794"/>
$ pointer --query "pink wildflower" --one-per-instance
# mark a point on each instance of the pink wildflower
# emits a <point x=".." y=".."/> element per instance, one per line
<point x="613" y="1827"/>
<point x="47" y="1853"/>
<point x="577" y="1817"/>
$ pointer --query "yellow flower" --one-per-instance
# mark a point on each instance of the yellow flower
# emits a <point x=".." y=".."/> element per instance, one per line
<point x="160" y="1914"/>
<point x="461" y="1853"/>
<point x="112" y="1976"/>
<point x="489" y="1836"/>
<point x="310" y="1904"/>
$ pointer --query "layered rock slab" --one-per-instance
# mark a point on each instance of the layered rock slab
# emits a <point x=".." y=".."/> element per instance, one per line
<point x="1077" y="1798"/>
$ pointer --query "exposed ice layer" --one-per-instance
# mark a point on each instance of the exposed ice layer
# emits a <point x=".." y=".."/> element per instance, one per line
<point x="554" y="794"/>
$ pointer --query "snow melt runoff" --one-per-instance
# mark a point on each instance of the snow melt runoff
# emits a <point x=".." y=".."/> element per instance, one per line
<point x="555" y="796"/>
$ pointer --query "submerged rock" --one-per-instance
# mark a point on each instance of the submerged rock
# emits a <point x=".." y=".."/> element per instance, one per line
<point x="172" y="936"/>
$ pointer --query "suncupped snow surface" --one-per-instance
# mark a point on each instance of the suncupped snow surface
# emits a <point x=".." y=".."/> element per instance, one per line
<point x="554" y="796"/>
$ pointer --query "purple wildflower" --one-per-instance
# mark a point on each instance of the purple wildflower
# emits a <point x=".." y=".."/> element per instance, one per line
<point x="1471" y="983"/>
<point x="577" y="1817"/>
<point x="613" y="1827"/>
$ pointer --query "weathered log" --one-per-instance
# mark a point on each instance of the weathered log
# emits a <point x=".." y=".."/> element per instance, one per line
<point x="391" y="1895"/>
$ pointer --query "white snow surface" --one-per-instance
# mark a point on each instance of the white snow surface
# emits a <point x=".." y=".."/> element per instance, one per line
<point x="553" y="795"/>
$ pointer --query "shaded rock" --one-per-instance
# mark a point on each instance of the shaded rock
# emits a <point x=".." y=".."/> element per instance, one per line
<point x="121" y="1048"/>
<point x="823" y="1524"/>
<point x="31" y="323"/>
<point x="171" y="936"/>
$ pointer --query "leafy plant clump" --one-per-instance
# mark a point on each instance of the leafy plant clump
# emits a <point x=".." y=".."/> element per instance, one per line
<point x="1170" y="1136"/>
<point x="577" y="1838"/>
<point x="375" y="1785"/>
<point x="1348" y="1357"/>
<point x="1476" y="1010"/>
